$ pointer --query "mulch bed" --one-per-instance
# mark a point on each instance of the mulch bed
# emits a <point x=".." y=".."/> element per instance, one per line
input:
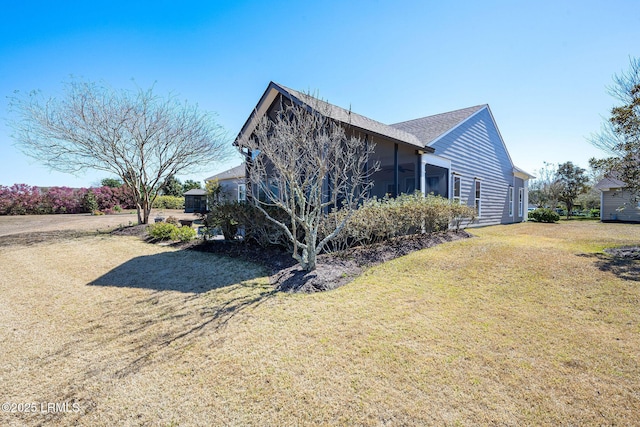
<point x="332" y="270"/>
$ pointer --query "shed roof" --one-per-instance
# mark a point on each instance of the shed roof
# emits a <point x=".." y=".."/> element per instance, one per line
<point x="609" y="182"/>
<point x="196" y="192"/>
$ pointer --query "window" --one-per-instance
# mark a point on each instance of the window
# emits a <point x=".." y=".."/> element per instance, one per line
<point x="521" y="202"/>
<point x="478" y="204"/>
<point x="510" y="201"/>
<point x="456" y="188"/>
<point x="242" y="192"/>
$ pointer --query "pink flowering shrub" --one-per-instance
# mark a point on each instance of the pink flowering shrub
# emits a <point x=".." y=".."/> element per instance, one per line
<point x="22" y="199"/>
<point x="63" y="200"/>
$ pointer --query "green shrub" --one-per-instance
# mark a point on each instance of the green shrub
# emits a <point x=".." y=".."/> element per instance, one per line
<point x="90" y="202"/>
<point x="544" y="215"/>
<point x="594" y="213"/>
<point x="168" y="202"/>
<point x="183" y="234"/>
<point x="226" y="217"/>
<point x="377" y="220"/>
<point x="161" y="230"/>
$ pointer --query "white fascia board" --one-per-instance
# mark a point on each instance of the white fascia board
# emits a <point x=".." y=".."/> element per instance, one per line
<point x="257" y="114"/>
<point x="432" y="159"/>
<point x="456" y="126"/>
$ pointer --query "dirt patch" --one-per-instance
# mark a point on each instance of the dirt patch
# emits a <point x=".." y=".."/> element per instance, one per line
<point x="332" y="270"/>
<point x="626" y="252"/>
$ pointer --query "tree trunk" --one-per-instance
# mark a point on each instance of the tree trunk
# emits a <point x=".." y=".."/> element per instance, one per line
<point x="139" y="212"/>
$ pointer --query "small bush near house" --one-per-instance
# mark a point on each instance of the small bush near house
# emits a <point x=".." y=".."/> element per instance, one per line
<point x="183" y="234"/>
<point x="162" y="230"/>
<point x="377" y="220"/>
<point x="594" y="213"/>
<point x="168" y="202"/>
<point x="544" y="215"/>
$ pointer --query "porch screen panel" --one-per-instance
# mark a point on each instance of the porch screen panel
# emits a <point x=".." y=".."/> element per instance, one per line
<point x="436" y="179"/>
<point x="406" y="170"/>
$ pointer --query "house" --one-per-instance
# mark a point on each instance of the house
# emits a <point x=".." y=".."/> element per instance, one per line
<point x="232" y="183"/>
<point x="195" y="201"/>
<point x="616" y="202"/>
<point x="459" y="155"/>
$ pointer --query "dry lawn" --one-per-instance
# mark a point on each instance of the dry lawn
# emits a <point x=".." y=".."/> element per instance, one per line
<point x="523" y="325"/>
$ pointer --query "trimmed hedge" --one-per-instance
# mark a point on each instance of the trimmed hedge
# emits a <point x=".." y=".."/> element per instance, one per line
<point x="544" y="215"/>
<point x="376" y="220"/>
<point x="168" y="202"/>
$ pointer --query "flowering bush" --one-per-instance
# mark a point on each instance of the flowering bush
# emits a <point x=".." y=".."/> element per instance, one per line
<point x="21" y="199"/>
<point x="62" y="200"/>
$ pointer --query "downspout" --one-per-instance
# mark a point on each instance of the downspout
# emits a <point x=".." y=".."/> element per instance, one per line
<point x="395" y="170"/>
<point x="419" y="173"/>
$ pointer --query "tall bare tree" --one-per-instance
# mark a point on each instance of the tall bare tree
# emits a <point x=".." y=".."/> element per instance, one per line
<point x="305" y="164"/>
<point x="137" y="135"/>
<point x="620" y="135"/>
<point x="544" y="190"/>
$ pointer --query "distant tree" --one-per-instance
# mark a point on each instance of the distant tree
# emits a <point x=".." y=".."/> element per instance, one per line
<point x="136" y="135"/>
<point x="172" y="187"/>
<point x="305" y="165"/>
<point x="620" y="135"/>
<point x="544" y="190"/>
<point x="190" y="184"/>
<point x="111" y="182"/>
<point x="572" y="181"/>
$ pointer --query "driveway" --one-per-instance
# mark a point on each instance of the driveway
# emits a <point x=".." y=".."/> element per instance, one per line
<point x="17" y="224"/>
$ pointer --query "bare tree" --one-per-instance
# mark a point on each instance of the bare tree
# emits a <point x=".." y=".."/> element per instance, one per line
<point x="142" y="138"/>
<point x="544" y="190"/>
<point x="620" y="134"/>
<point x="304" y="163"/>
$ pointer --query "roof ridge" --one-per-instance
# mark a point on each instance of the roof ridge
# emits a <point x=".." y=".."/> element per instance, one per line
<point x="391" y="131"/>
<point x="479" y="106"/>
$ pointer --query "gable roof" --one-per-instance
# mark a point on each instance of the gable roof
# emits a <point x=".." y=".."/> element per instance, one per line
<point x="233" y="173"/>
<point x="332" y="111"/>
<point x="609" y="182"/>
<point x="354" y="119"/>
<point x="429" y="129"/>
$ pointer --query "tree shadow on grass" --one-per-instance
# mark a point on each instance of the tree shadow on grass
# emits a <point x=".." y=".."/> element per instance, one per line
<point x="182" y="271"/>
<point x="193" y="294"/>
<point x="623" y="268"/>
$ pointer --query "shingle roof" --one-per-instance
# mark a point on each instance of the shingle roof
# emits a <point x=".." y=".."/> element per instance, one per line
<point x="354" y="119"/>
<point x="196" y="192"/>
<point x="610" y="182"/>
<point x="428" y="129"/>
<point x="235" y="172"/>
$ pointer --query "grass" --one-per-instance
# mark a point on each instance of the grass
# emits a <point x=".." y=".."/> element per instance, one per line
<point x="522" y="325"/>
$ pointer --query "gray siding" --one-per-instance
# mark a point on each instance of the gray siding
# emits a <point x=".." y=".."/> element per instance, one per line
<point x="477" y="152"/>
<point x="229" y="188"/>
<point x="613" y="201"/>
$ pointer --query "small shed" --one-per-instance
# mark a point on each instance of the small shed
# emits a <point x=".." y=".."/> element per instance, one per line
<point x="195" y="201"/>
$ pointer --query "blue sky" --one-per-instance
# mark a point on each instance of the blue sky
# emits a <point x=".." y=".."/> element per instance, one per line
<point x="542" y="66"/>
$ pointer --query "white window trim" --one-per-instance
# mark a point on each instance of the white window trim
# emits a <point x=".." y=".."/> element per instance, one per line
<point x="520" y="202"/>
<point x="244" y="191"/>
<point x="477" y="201"/>
<point x="511" y="200"/>
<point x="457" y="178"/>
